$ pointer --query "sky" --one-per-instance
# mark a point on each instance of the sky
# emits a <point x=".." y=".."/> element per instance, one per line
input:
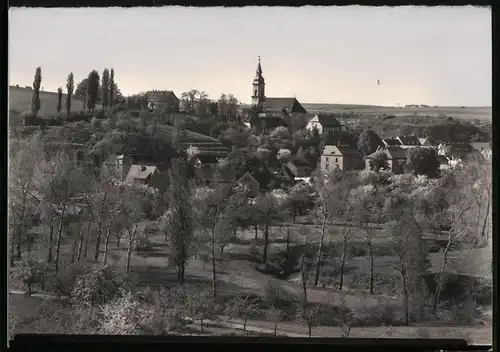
<point x="420" y="55"/>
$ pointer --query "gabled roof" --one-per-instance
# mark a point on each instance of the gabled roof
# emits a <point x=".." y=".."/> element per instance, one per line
<point x="278" y="104"/>
<point x="160" y="95"/>
<point x="392" y="142"/>
<point x="427" y="140"/>
<point x="139" y="172"/>
<point x="328" y="121"/>
<point x="248" y="177"/>
<point x="479" y="146"/>
<point x="409" y="140"/>
<point x="390" y="152"/>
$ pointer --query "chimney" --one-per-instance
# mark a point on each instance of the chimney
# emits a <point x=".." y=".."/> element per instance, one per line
<point x="143" y="168"/>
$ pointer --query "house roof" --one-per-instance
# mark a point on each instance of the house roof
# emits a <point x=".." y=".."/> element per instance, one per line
<point x="391" y="142"/>
<point x="139" y="172"/>
<point x="391" y="152"/>
<point x="344" y="151"/>
<point x="160" y="95"/>
<point x="481" y="146"/>
<point x="328" y="121"/>
<point x="409" y="140"/>
<point x="248" y="177"/>
<point x="278" y="104"/>
<point x="426" y="140"/>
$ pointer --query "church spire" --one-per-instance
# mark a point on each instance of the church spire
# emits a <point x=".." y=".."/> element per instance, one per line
<point x="259" y="68"/>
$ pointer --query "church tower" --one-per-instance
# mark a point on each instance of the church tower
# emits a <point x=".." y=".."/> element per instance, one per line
<point x="258" y="96"/>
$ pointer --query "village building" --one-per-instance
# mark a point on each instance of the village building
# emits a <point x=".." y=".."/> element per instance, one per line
<point x="402" y="142"/>
<point x="455" y="152"/>
<point x="396" y="159"/>
<point x="343" y="158"/>
<point x="272" y="112"/>
<point x="248" y="185"/>
<point x="427" y="142"/>
<point x="299" y="169"/>
<point x="484" y="149"/>
<point x="162" y="99"/>
<point x="324" y="123"/>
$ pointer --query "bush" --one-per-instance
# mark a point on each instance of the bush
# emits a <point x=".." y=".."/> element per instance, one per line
<point x="29" y="272"/>
<point x="62" y="283"/>
<point x="383" y="314"/>
<point x="100" y="286"/>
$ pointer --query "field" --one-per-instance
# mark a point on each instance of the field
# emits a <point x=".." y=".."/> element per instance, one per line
<point x="239" y="272"/>
<point x="464" y="113"/>
<point x="20" y="101"/>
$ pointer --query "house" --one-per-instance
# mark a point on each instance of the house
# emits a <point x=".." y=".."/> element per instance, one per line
<point x="162" y="98"/>
<point x="324" y="124"/>
<point x="483" y="148"/>
<point x="273" y="112"/>
<point x="455" y="151"/>
<point x="409" y="141"/>
<point x="344" y="158"/>
<point x="142" y="175"/>
<point x="427" y="142"/>
<point x="299" y="168"/>
<point x="248" y="184"/>
<point x="402" y="142"/>
<point x="396" y="159"/>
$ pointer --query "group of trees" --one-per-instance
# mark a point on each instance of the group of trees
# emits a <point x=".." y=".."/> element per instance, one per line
<point x="107" y="92"/>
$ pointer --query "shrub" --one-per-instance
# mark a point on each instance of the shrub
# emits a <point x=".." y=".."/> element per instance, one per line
<point x="62" y="283"/>
<point x="29" y="272"/>
<point x="382" y="314"/>
<point x="100" y="286"/>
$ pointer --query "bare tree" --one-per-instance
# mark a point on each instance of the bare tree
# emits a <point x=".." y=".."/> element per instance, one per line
<point x="200" y="305"/>
<point x="243" y="308"/>
<point x="267" y="212"/>
<point x="210" y="207"/>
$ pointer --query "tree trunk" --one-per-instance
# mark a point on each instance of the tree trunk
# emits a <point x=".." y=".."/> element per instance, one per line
<point x="80" y="247"/>
<point x="75" y="246"/>
<point x="320" y="252"/>
<point x="86" y="246"/>
<point x="59" y="238"/>
<point x="21" y="227"/>
<point x="287" y="253"/>
<point x="342" y="264"/>
<point x="275" y="329"/>
<point x="372" y="267"/>
<point x="245" y="324"/>
<point x="256" y="232"/>
<point x="183" y="267"/>
<point x="485" y="222"/>
<point x="222" y="252"/>
<point x="309" y="327"/>
<point x="441" y="276"/>
<point x="106" y="242"/>
<point x="406" y="302"/>
<point x="304" y="281"/>
<point x="99" y="231"/>
<point x="266" y="243"/>
<point x="51" y="239"/>
<point x="201" y="325"/>
<point x="214" y="274"/>
<point x="129" y="251"/>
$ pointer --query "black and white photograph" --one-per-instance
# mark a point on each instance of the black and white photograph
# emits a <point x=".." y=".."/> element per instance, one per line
<point x="288" y="172"/>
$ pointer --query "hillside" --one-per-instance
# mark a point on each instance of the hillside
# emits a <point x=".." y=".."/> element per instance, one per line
<point x="466" y="113"/>
<point x="20" y="101"/>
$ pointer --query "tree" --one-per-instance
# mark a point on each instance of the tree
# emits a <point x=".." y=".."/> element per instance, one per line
<point x="105" y="88"/>
<point x="60" y="181"/>
<point x="310" y="317"/>
<point x="210" y="215"/>
<point x="275" y="315"/>
<point x="200" y="305"/>
<point x="379" y="162"/>
<point x="92" y="90"/>
<point x="179" y="227"/>
<point x="267" y="211"/>
<point x="422" y="161"/>
<point x="368" y="211"/>
<point x="368" y="142"/>
<point x="113" y="89"/>
<point x="243" y="308"/>
<point x="23" y="173"/>
<point x="69" y="86"/>
<point x="324" y="213"/>
<point x="412" y="262"/>
<point x="59" y="100"/>
<point x="35" y="101"/>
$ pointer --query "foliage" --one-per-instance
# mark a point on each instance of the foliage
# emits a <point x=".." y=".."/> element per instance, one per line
<point x="100" y="286"/>
<point x="243" y="308"/>
<point x="59" y="100"/>
<point x="379" y="162"/>
<point x="422" y="161"/>
<point x="70" y="85"/>
<point x="368" y="142"/>
<point x="35" y="104"/>
<point x="92" y="89"/>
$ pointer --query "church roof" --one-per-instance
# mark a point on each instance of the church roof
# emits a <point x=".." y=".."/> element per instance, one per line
<point x="328" y="121"/>
<point x="278" y="104"/>
<point x="160" y="95"/>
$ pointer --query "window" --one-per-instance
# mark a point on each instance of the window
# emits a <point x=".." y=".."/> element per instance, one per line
<point x="336" y="160"/>
<point x="255" y="93"/>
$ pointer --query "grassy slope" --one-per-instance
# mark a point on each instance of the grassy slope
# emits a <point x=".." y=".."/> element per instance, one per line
<point x="20" y="101"/>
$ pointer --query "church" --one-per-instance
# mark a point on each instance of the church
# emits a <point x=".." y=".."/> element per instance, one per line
<point x="272" y="112"/>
